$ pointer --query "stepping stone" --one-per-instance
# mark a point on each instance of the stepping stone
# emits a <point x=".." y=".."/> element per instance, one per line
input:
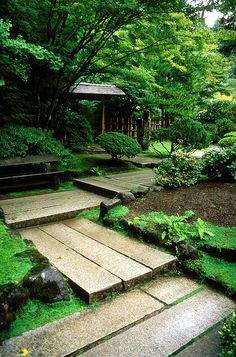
<point x="89" y="280"/>
<point x="150" y="257"/>
<point x="170" y="289"/>
<point x="169" y="331"/>
<point x="33" y="210"/>
<point x="126" y="269"/>
<point x="66" y="336"/>
<point x="107" y="189"/>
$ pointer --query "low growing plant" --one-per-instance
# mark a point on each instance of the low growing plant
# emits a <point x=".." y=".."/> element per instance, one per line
<point x="228" y="337"/>
<point x="228" y="140"/>
<point x="118" y="145"/>
<point x="220" y="164"/>
<point x="178" y="170"/>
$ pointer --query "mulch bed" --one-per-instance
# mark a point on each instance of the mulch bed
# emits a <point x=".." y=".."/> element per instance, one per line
<point x="214" y="202"/>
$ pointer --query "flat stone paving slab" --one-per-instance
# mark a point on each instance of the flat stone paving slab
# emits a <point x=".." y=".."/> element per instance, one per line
<point x="126" y="269"/>
<point x="91" y="281"/>
<point x="113" y="184"/>
<point x="170" y="289"/>
<point x="75" y="332"/>
<point x="150" y="257"/>
<point x="168" y="331"/>
<point x="38" y="209"/>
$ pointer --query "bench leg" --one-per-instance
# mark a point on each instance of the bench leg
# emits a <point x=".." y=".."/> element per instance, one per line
<point x="56" y="182"/>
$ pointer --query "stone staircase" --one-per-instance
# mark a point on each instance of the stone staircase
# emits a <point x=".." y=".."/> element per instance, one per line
<point x="97" y="260"/>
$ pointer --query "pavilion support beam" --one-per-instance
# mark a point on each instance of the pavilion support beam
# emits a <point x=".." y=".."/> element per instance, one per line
<point x="103" y="117"/>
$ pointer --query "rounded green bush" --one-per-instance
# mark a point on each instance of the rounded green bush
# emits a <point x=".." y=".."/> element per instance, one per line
<point x="118" y="145"/>
<point x="220" y="164"/>
<point x="21" y="141"/>
<point x="229" y="139"/>
<point x="178" y="170"/>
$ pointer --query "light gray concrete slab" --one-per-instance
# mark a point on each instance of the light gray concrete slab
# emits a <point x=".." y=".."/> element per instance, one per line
<point x="168" y="331"/>
<point x="91" y="281"/>
<point x="170" y="289"/>
<point x="105" y="188"/>
<point x="33" y="210"/>
<point x="120" y="184"/>
<point x="150" y="257"/>
<point x="72" y="333"/>
<point x="208" y="345"/>
<point x="128" y="270"/>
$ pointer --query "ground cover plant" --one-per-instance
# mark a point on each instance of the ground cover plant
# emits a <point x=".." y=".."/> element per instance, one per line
<point x="228" y="337"/>
<point x="12" y="270"/>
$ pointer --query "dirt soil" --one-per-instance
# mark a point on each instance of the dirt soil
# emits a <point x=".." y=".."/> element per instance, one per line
<point x="214" y="202"/>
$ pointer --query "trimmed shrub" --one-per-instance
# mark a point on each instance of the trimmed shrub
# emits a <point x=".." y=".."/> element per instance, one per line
<point x="220" y="164"/>
<point x="118" y="145"/>
<point x="21" y="141"/>
<point x="178" y="170"/>
<point x="229" y="139"/>
<point x="212" y="129"/>
<point x="228" y="337"/>
<point x="224" y="126"/>
<point x="185" y="134"/>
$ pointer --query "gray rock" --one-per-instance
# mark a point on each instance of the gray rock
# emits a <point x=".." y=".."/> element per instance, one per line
<point x="126" y="197"/>
<point x="139" y="191"/>
<point x="13" y="295"/>
<point x="105" y="206"/>
<point x="188" y="250"/>
<point x="46" y="283"/>
<point x="7" y="315"/>
<point x="155" y="188"/>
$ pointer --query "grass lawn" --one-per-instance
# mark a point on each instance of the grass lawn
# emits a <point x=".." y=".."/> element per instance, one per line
<point x="158" y="150"/>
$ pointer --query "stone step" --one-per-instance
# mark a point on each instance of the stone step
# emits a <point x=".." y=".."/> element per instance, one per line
<point x="38" y="209"/>
<point x="169" y="331"/>
<point x="87" y="278"/>
<point x="66" y="336"/>
<point x="126" y="269"/>
<point x="103" y="188"/>
<point x="152" y="258"/>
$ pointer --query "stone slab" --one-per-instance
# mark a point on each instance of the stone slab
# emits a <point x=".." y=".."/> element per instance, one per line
<point x="150" y="257"/>
<point x="91" y="281"/>
<point x="105" y="189"/>
<point x="65" y="336"/>
<point x="38" y="209"/>
<point x="170" y="289"/>
<point x="168" y="331"/>
<point x="128" y="270"/>
<point x="208" y="345"/>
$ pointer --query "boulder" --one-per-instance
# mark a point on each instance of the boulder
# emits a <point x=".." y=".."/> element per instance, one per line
<point x="126" y="197"/>
<point x="105" y="206"/>
<point x="155" y="188"/>
<point x="46" y="283"/>
<point x="188" y="250"/>
<point x="7" y="315"/>
<point x="13" y="295"/>
<point x="139" y="191"/>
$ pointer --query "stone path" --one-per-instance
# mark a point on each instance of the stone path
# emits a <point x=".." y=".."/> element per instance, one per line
<point x="32" y="210"/>
<point x="84" y="252"/>
<point x="138" y="323"/>
<point x="109" y="186"/>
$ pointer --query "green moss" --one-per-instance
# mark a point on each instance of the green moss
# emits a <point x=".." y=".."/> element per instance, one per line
<point x="36" y="314"/>
<point x="12" y="269"/>
<point x="118" y="212"/>
<point x="224" y="237"/>
<point x="216" y="269"/>
<point x="92" y="215"/>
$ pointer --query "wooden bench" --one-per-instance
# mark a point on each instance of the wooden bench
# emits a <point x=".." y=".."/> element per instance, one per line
<point x="29" y="171"/>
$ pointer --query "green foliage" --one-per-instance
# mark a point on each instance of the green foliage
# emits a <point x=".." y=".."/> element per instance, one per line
<point x="118" y="145"/>
<point x="117" y="212"/>
<point x="217" y="110"/>
<point x="76" y="129"/>
<point x="220" y="164"/>
<point x="22" y="141"/>
<point x="185" y="134"/>
<point x="228" y="337"/>
<point x="222" y="237"/>
<point x="229" y="139"/>
<point x="178" y="170"/>
<point x="92" y="215"/>
<point x="174" y="226"/>
<point x="212" y="129"/>
<point x="12" y="269"/>
<point x="224" y="126"/>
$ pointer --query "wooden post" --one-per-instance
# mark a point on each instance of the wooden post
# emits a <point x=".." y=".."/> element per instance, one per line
<point x="103" y="117"/>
